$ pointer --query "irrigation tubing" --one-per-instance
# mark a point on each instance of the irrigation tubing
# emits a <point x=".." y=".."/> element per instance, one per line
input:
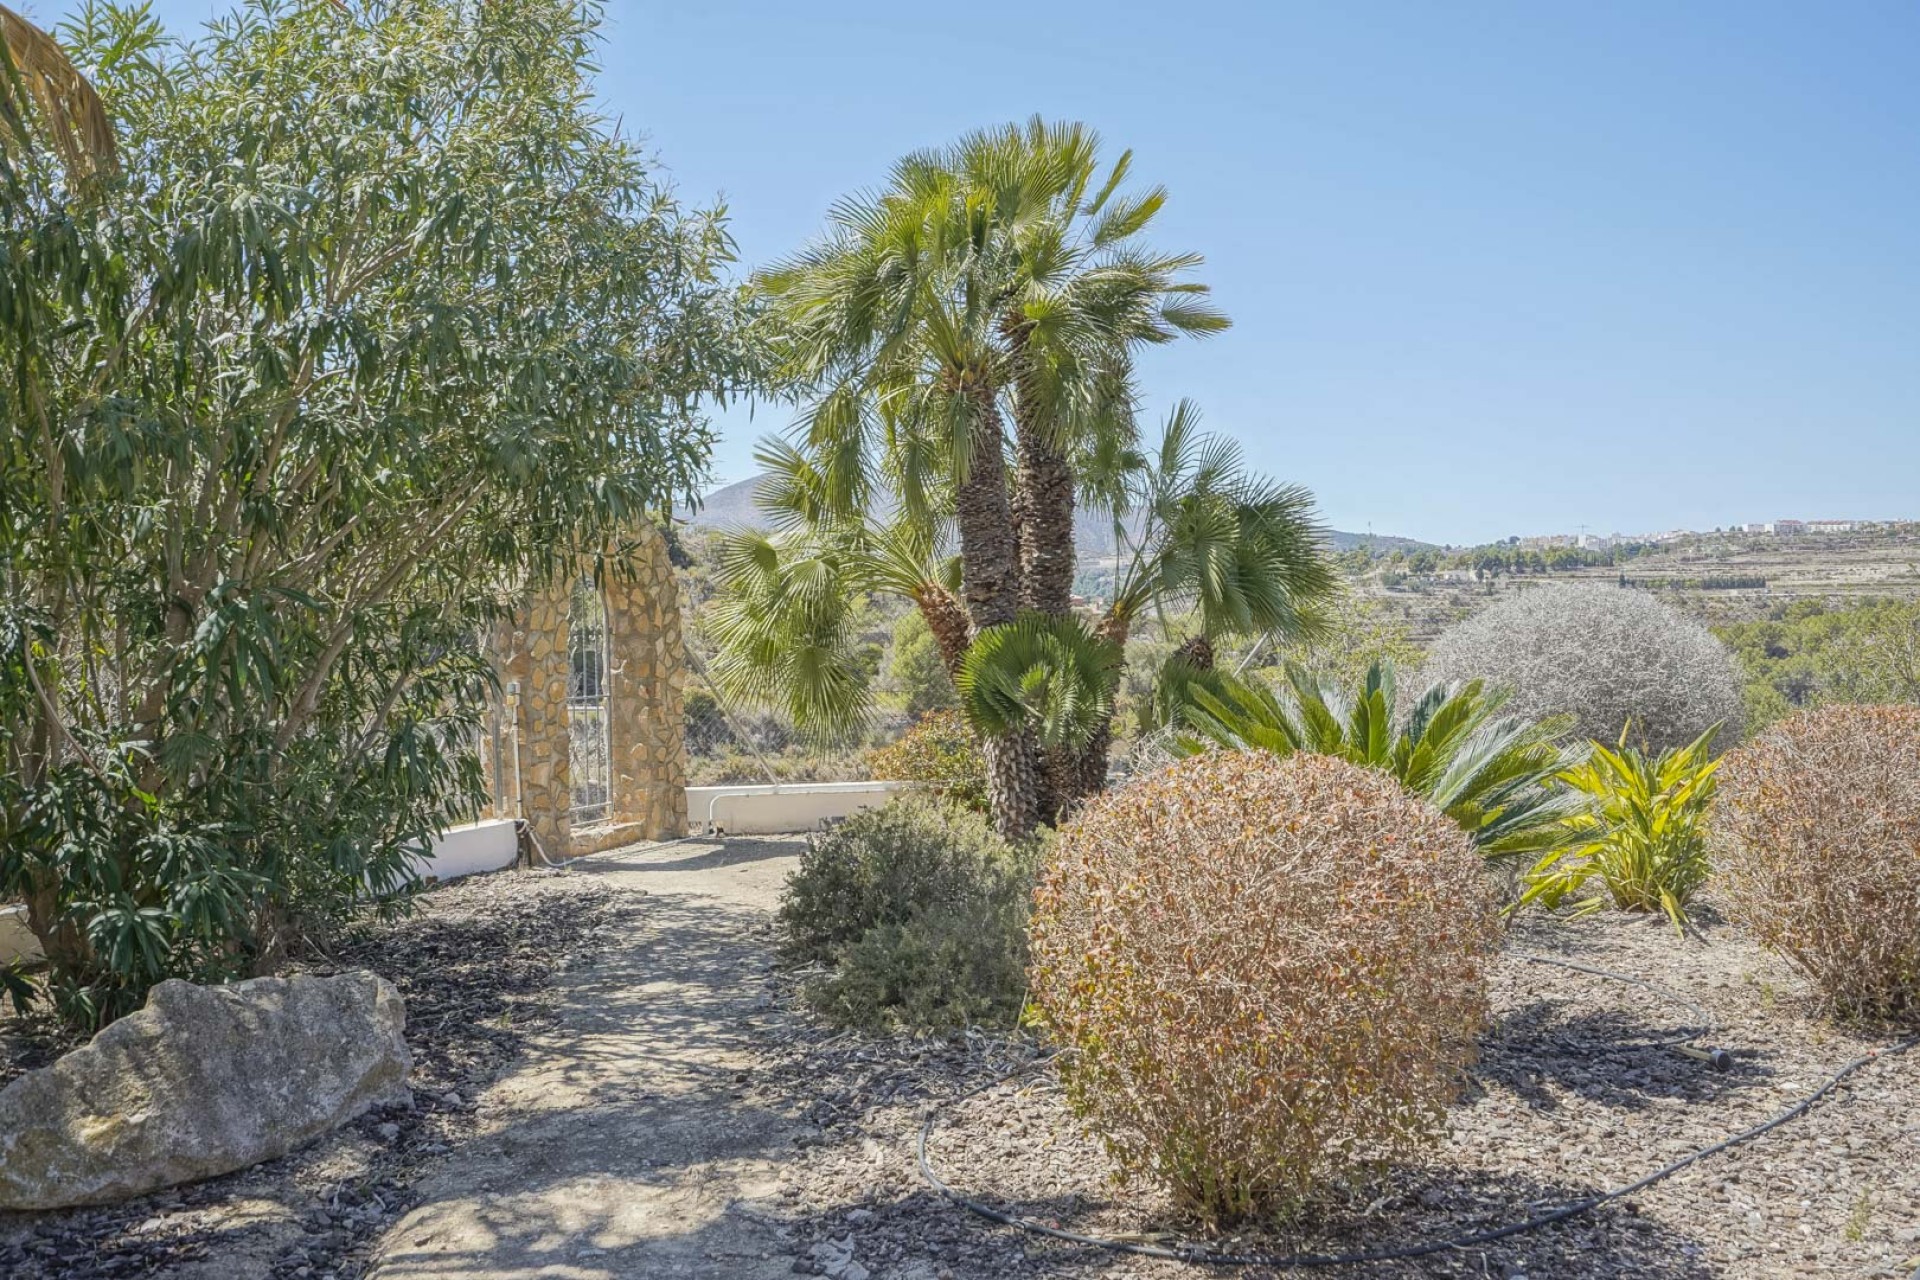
<point x="1198" y="1253"/>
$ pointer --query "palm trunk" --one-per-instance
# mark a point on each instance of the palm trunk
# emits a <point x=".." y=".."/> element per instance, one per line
<point x="989" y="556"/>
<point x="990" y="569"/>
<point x="1042" y="487"/>
<point x="947" y="620"/>
<point x="1013" y="784"/>
<point x="1043" y="521"/>
<point x="1089" y="775"/>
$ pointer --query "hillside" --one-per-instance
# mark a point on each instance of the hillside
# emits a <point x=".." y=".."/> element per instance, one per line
<point x="731" y="506"/>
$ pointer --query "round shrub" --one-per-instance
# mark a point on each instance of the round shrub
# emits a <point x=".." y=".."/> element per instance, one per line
<point x="1816" y="842"/>
<point x="942" y="750"/>
<point x="1267" y="971"/>
<point x="1603" y="655"/>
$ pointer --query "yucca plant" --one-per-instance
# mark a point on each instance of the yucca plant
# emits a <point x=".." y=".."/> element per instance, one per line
<point x="1643" y="834"/>
<point x="1493" y="774"/>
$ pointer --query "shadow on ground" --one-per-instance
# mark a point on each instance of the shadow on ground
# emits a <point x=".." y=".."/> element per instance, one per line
<point x="1541" y="1051"/>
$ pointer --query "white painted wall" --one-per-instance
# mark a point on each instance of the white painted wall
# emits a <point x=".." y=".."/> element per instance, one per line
<point x="471" y="849"/>
<point x="788" y="807"/>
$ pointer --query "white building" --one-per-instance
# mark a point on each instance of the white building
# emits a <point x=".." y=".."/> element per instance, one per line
<point x="1830" y="526"/>
<point x="1787" y="528"/>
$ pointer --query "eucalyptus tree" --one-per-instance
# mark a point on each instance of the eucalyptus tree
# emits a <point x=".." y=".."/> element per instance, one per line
<point x="997" y="279"/>
<point x="374" y="323"/>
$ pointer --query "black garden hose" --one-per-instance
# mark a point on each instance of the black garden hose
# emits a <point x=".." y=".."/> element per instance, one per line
<point x="1198" y="1253"/>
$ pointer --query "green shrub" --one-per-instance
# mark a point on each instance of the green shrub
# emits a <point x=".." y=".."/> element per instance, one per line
<point x="1817" y="851"/>
<point x="1644" y="836"/>
<point x="918" y="911"/>
<point x="1268" y="969"/>
<point x="377" y="320"/>
<point x="941" y="750"/>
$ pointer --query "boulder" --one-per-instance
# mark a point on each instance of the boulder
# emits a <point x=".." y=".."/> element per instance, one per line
<point x="202" y="1081"/>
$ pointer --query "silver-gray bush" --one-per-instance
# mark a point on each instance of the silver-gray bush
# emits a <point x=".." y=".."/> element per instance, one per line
<point x="1603" y="655"/>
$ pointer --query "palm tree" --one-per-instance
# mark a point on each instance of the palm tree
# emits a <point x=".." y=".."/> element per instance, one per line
<point x="785" y="620"/>
<point x="1197" y="533"/>
<point x="1495" y="775"/>
<point x="1077" y="294"/>
<point x="987" y="280"/>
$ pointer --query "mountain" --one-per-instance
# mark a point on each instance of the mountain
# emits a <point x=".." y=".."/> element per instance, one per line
<point x="731" y="506"/>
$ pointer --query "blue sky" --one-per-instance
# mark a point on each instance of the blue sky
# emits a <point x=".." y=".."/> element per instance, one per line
<point x="1494" y="268"/>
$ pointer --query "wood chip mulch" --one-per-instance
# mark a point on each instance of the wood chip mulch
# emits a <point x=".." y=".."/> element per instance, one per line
<point x="1576" y="1092"/>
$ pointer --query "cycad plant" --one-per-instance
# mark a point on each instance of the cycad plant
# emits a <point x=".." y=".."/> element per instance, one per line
<point x="1493" y="774"/>
<point x="1642" y="835"/>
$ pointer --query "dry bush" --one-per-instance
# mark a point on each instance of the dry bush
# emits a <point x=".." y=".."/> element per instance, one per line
<point x="1816" y="843"/>
<point x="1267" y="971"/>
<point x="1603" y="655"/>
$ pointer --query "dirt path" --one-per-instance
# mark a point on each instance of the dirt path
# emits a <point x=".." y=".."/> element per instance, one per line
<point x="627" y="1142"/>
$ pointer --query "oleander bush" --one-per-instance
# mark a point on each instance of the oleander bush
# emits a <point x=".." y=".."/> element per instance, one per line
<point x="1816" y="842"/>
<point x="1603" y="655"/>
<point x="1266" y="971"/>
<point x="916" y="914"/>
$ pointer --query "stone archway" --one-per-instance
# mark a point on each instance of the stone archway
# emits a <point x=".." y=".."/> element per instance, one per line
<point x="640" y="687"/>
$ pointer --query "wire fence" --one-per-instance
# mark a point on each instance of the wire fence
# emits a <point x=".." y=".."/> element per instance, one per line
<point x="729" y="742"/>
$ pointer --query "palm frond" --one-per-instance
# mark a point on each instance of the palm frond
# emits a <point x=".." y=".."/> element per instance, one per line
<point x="1046" y="674"/>
<point x="1498" y="777"/>
<point x="73" y="118"/>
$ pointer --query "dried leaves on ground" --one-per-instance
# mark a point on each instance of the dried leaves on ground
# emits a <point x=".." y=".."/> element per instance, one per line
<point x="1576" y="1091"/>
<point x="474" y="966"/>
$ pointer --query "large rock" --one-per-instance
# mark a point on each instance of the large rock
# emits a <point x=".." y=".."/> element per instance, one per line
<point x="203" y="1081"/>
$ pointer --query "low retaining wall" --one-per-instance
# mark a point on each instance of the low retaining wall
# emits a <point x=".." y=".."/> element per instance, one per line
<point x="787" y="807"/>
<point x="492" y="845"/>
<point x="468" y="850"/>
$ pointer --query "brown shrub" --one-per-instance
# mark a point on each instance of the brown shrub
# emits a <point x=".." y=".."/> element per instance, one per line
<point x="1268" y="971"/>
<point x="942" y="750"/>
<point x="1816" y="842"/>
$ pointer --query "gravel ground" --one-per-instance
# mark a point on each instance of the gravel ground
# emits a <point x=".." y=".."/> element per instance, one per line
<point x="474" y="966"/>
<point x="1574" y="1094"/>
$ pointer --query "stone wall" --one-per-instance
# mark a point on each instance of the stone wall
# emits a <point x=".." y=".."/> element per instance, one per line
<point x="646" y="684"/>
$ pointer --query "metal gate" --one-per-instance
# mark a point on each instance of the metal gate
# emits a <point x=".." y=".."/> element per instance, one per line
<point x="590" y="755"/>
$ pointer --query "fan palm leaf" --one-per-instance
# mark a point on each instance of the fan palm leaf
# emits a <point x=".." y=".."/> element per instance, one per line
<point x="1042" y="674"/>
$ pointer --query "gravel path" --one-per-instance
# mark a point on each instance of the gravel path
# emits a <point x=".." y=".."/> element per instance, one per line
<point x="626" y="1140"/>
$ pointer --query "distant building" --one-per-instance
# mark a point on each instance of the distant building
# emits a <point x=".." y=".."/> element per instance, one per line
<point x="1757" y="526"/>
<point x="1830" y="526"/>
<point x="1787" y="528"/>
<point x="1595" y="542"/>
